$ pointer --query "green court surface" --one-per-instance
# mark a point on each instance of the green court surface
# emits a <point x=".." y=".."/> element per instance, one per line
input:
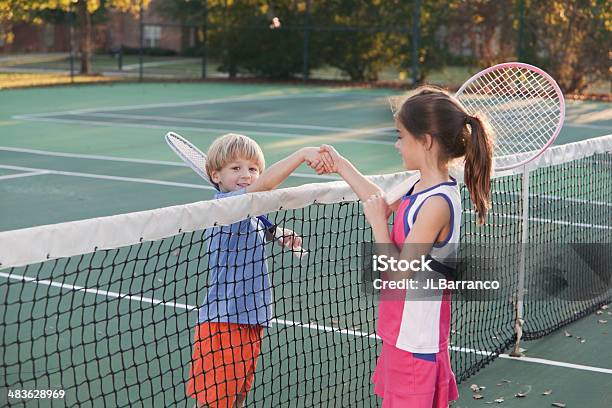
<point x="80" y="152"/>
<point x="60" y="129"/>
<point x="576" y="370"/>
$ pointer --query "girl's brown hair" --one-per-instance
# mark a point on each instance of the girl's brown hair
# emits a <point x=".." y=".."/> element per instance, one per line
<point x="434" y="112"/>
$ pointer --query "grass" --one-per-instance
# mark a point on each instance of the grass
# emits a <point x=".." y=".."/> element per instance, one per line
<point x="25" y="80"/>
<point x="190" y="68"/>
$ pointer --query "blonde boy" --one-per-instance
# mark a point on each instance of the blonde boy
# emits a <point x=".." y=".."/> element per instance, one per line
<point x="238" y="305"/>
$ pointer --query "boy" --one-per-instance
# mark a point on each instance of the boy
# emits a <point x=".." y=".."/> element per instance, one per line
<point x="239" y="301"/>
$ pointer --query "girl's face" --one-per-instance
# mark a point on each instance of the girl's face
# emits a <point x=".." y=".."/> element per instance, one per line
<point x="410" y="148"/>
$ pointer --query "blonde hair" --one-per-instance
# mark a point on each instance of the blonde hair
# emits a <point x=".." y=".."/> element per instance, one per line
<point x="230" y="147"/>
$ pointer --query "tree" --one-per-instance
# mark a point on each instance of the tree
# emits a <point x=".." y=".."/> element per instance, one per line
<point x="568" y="38"/>
<point x="486" y="27"/>
<point x="12" y="11"/>
<point x="356" y="35"/>
<point x="241" y="35"/>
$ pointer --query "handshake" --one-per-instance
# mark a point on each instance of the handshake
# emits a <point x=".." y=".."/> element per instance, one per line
<point x="323" y="160"/>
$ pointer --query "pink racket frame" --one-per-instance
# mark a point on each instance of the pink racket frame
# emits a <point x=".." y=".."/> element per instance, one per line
<point x="549" y="79"/>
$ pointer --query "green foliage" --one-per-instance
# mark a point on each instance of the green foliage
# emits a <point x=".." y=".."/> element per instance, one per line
<point x="361" y="37"/>
<point x="348" y="43"/>
<point x="568" y="38"/>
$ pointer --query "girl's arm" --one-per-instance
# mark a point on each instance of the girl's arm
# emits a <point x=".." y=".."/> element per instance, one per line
<point x="363" y="187"/>
<point x="279" y="171"/>
<point x="434" y="215"/>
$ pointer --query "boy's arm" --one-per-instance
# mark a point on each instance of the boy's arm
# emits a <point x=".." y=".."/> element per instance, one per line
<point x="279" y="171"/>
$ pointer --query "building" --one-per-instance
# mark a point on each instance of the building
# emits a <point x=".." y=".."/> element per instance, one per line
<point x="120" y="29"/>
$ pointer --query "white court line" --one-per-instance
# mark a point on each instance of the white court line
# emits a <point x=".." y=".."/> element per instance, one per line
<point x="546" y="220"/>
<point x="282" y="322"/>
<point x="557" y="364"/>
<point x="114" y="178"/>
<point x="20" y="175"/>
<point x="140" y="161"/>
<point x="587" y="126"/>
<point x="554" y="197"/>
<point x="188" y="185"/>
<point x="202" y="130"/>
<point x="352" y="131"/>
<point x="252" y="98"/>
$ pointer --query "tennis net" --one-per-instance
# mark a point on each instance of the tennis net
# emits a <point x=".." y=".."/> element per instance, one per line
<point x="105" y="309"/>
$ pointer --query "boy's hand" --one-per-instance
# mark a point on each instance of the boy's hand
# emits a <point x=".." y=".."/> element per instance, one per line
<point x="288" y="238"/>
<point x="313" y="158"/>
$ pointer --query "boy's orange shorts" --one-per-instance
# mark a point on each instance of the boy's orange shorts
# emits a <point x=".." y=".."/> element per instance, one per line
<point x="223" y="363"/>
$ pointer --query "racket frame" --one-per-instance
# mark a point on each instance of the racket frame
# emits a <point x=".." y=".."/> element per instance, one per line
<point x="549" y="79"/>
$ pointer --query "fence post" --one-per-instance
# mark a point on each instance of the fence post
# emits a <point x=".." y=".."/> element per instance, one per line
<point x="204" y="38"/>
<point x="120" y="58"/>
<point x="416" y="29"/>
<point x="306" y="69"/>
<point x="72" y="11"/>
<point x="140" y="52"/>
<point x="521" y="30"/>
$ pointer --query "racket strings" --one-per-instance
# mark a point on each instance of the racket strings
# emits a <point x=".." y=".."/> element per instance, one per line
<point x="522" y="106"/>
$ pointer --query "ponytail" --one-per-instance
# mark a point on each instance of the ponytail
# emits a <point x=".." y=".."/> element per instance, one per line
<point x="478" y="164"/>
<point x="434" y="112"/>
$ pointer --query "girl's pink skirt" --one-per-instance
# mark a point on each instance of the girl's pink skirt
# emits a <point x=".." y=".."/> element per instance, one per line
<point x="411" y="380"/>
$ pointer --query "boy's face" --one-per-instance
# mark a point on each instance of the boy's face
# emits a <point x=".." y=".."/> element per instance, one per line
<point x="236" y="174"/>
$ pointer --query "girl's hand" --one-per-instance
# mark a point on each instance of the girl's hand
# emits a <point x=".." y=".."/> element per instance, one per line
<point x="331" y="158"/>
<point x="312" y="157"/>
<point x="376" y="211"/>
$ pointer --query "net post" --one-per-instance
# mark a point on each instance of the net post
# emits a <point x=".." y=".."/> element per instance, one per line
<point x="520" y="292"/>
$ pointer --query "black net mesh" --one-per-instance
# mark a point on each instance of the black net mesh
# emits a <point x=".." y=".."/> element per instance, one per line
<point x="116" y="327"/>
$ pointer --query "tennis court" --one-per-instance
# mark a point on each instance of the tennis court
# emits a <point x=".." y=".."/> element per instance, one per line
<point x="68" y="155"/>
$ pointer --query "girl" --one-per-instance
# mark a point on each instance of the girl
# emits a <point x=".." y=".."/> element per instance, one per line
<point x="413" y="369"/>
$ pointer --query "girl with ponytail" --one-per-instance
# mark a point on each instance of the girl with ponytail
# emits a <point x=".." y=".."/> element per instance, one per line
<point x="413" y="369"/>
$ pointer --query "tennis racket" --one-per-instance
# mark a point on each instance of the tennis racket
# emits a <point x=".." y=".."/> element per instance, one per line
<point x="196" y="159"/>
<point x="523" y="105"/>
